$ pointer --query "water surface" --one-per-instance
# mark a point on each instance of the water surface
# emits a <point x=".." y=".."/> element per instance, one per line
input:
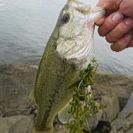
<point x="25" y="26"/>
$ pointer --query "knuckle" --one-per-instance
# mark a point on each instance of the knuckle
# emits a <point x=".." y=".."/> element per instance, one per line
<point x="123" y="7"/>
<point x="126" y="8"/>
<point x="120" y="31"/>
<point x="109" y="39"/>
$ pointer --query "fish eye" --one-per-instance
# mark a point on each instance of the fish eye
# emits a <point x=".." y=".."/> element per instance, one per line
<point x="66" y="17"/>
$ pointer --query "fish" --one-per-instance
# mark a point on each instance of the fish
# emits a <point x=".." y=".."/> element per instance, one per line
<point x="68" y="51"/>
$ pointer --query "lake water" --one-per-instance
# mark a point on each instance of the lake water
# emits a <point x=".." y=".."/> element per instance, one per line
<point x="25" y="26"/>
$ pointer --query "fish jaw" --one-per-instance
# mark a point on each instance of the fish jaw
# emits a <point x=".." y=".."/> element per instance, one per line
<point x="76" y="51"/>
<point x="78" y="48"/>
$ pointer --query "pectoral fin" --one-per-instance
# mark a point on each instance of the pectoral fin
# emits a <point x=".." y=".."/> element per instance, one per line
<point x="64" y="116"/>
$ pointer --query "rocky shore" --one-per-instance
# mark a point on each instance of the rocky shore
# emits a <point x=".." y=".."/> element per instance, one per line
<point x="17" y="112"/>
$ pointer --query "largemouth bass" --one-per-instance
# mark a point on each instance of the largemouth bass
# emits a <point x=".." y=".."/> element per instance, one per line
<point x="68" y="51"/>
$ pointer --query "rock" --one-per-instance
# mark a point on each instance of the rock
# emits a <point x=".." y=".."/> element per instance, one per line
<point x="103" y="127"/>
<point x="119" y="85"/>
<point x="16" y="82"/>
<point x="114" y="91"/>
<point x="93" y="122"/>
<point x="107" y="114"/>
<point x="23" y="124"/>
<point x="16" y="124"/>
<point x="60" y="129"/>
<point x="111" y="107"/>
<point x="124" y="121"/>
<point x="128" y="108"/>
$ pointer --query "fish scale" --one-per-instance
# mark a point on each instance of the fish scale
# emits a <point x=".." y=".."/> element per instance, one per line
<point x="58" y="73"/>
<point x="52" y="95"/>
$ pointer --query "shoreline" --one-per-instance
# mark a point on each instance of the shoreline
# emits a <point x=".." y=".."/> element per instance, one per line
<point x="17" y="80"/>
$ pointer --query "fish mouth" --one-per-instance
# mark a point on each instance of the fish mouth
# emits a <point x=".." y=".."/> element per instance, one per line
<point x="82" y="54"/>
<point x="79" y="49"/>
<point x="86" y="50"/>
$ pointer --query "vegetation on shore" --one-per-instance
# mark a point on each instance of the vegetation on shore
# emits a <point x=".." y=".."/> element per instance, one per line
<point x="83" y="105"/>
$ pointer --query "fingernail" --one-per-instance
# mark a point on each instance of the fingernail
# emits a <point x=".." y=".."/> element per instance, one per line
<point x="117" y="17"/>
<point x="100" y="21"/>
<point x="129" y="22"/>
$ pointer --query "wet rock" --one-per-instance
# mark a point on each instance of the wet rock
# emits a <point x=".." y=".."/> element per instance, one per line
<point x="23" y="124"/>
<point x="111" y="109"/>
<point x="16" y="82"/>
<point x="103" y="127"/>
<point x="92" y="123"/>
<point x="60" y="129"/>
<point x="108" y="113"/>
<point x="113" y="91"/>
<point x="124" y="121"/>
<point x="16" y="124"/>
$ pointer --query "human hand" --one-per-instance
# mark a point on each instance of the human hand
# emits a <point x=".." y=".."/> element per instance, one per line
<point x="117" y="25"/>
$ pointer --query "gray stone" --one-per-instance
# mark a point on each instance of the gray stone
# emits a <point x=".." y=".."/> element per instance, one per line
<point x="124" y="121"/>
<point x="111" y="109"/>
<point x="16" y="81"/>
<point x="23" y="125"/>
<point x="108" y="113"/>
<point x="93" y="122"/>
<point x="16" y="124"/>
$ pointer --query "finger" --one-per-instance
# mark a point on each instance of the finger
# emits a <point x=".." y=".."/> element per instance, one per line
<point x="126" y="7"/>
<point x="100" y="22"/>
<point x="120" y="30"/>
<point x="131" y="43"/>
<point x="110" y="5"/>
<point x="122" y="43"/>
<point x="110" y="22"/>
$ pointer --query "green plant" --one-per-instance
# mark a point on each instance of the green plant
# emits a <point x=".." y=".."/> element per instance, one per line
<point x="83" y="105"/>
